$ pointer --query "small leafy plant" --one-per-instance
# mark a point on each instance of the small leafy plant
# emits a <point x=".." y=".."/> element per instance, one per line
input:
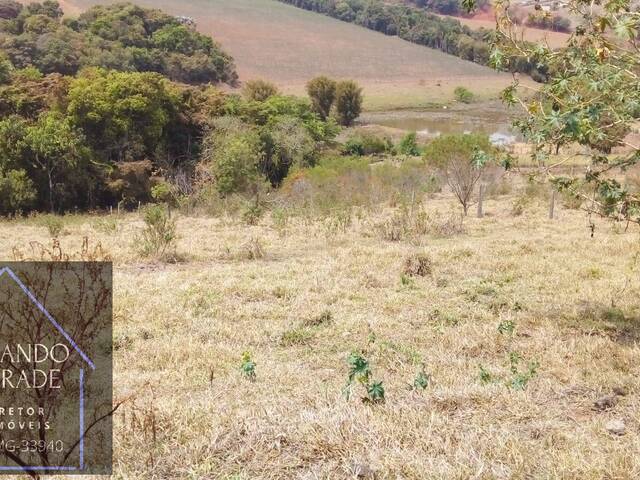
<point x="520" y="379"/>
<point x="248" y="367"/>
<point x="422" y="381"/>
<point x="252" y="213"/>
<point x="407" y="281"/>
<point x="485" y="375"/>
<point x="506" y="327"/>
<point x="360" y="373"/>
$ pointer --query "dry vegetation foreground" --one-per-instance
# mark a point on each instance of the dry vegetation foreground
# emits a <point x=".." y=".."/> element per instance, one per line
<point x="508" y="293"/>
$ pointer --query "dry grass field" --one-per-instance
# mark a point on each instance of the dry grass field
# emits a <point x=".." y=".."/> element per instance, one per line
<point x="288" y="46"/>
<point x="506" y="294"/>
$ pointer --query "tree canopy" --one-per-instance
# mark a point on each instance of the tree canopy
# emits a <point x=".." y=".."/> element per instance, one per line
<point x="122" y="37"/>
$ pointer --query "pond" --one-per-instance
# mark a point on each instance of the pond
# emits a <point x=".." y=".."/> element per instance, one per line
<point x="492" y="119"/>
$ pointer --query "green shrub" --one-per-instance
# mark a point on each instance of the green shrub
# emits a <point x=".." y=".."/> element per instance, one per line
<point x="252" y="213"/>
<point x="259" y="90"/>
<point x="235" y="164"/>
<point x="164" y="192"/>
<point x="159" y="235"/>
<point x="5" y="70"/>
<point x="52" y="223"/>
<point x="463" y="95"/>
<point x="17" y="192"/>
<point x="367" y="144"/>
<point x="409" y="145"/>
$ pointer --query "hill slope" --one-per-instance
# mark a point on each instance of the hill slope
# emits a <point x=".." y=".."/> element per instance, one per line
<point x="288" y="45"/>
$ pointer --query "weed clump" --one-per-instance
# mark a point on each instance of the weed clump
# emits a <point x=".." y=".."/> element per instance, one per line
<point x="253" y="249"/>
<point x="52" y="223"/>
<point x="296" y="336"/>
<point x="463" y="94"/>
<point x="411" y="223"/>
<point x="158" y="238"/>
<point x="418" y="265"/>
<point x="325" y="318"/>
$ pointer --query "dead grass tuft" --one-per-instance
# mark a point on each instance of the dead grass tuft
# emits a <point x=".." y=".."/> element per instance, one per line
<point x="418" y="265"/>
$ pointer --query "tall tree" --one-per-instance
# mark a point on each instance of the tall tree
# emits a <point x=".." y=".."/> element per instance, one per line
<point x="348" y="102"/>
<point x="322" y="92"/>
<point x="52" y="146"/>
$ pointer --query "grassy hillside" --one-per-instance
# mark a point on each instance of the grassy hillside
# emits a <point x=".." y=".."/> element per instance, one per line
<point x="288" y="45"/>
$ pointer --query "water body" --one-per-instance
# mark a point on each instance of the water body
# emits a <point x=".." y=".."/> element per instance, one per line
<point x="491" y="118"/>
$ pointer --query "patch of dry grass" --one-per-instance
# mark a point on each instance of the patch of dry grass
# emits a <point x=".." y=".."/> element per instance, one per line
<point x="309" y="300"/>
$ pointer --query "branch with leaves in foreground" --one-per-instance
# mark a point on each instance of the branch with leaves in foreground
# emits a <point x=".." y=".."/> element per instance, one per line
<point x="592" y="100"/>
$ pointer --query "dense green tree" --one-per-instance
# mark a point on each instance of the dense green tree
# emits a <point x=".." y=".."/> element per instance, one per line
<point x="17" y="192"/>
<point x="52" y="146"/>
<point x="181" y="39"/>
<point x="48" y="8"/>
<point x="348" y="102"/>
<point x="231" y="157"/>
<point x="101" y="136"/>
<point x="12" y="132"/>
<point x="121" y="37"/>
<point x="125" y="116"/>
<point x="30" y="95"/>
<point x="322" y="92"/>
<point x="285" y="143"/>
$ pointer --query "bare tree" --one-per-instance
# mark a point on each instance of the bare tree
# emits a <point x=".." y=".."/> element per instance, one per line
<point x="461" y="160"/>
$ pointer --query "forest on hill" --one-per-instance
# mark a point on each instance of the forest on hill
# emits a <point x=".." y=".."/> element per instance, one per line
<point x="123" y="37"/>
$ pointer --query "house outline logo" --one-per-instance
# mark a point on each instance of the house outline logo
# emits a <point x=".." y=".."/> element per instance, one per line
<point x="85" y="358"/>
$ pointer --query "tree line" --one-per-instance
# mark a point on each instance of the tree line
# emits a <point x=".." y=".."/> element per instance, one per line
<point x="542" y="20"/>
<point x="419" y="26"/>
